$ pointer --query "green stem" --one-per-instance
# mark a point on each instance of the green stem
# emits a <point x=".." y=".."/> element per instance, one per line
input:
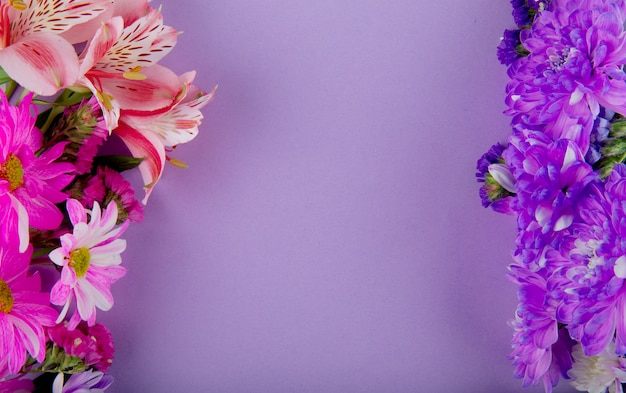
<point x="54" y="112"/>
<point x="10" y="89"/>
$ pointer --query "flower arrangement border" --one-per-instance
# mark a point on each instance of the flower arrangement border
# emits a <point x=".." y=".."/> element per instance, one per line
<point x="74" y="76"/>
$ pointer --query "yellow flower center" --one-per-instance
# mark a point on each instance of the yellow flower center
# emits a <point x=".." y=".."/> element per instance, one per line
<point x="6" y="297"/>
<point x="18" y="4"/>
<point x="79" y="261"/>
<point x="12" y="171"/>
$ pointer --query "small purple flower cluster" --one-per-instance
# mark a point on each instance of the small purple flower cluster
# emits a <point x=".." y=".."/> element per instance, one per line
<point x="562" y="175"/>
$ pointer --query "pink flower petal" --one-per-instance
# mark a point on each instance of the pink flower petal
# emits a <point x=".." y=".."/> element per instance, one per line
<point x="41" y="62"/>
<point x="76" y="211"/>
<point x="149" y="147"/>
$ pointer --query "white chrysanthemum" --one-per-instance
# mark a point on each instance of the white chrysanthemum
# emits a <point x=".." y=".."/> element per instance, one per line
<point x="594" y="374"/>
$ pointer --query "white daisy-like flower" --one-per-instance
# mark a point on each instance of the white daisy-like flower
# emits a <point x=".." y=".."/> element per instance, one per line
<point x="90" y="257"/>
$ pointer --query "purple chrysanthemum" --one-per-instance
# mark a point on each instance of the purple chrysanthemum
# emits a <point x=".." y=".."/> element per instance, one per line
<point x="550" y="177"/>
<point x="541" y="350"/>
<point x="88" y="381"/>
<point x="599" y="135"/>
<point x="577" y="49"/>
<point x="592" y="283"/>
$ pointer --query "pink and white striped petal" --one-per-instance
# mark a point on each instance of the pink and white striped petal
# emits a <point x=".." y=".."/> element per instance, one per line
<point x="149" y="147"/>
<point x="54" y="16"/>
<point x="101" y="42"/>
<point x="41" y="62"/>
<point x="143" y="43"/>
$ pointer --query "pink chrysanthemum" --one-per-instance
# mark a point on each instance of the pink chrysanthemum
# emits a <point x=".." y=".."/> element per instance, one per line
<point x="90" y="257"/>
<point x="33" y="183"/>
<point x="24" y="311"/>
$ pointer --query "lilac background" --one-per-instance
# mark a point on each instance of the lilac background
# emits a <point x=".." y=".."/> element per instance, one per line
<point x="328" y="236"/>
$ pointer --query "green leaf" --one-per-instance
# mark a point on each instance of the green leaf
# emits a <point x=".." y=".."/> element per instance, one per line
<point x="118" y="162"/>
<point x="4" y="77"/>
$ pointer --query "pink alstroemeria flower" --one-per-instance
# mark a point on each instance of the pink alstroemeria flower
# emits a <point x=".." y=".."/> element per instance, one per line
<point x="119" y="65"/>
<point x="90" y="257"/>
<point x="148" y="134"/>
<point x="32" y="52"/>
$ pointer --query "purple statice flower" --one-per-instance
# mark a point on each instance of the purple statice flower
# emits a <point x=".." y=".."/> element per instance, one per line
<point x="524" y="11"/>
<point x="498" y="189"/>
<point x="510" y="48"/>
<point x="591" y="285"/>
<point x="85" y="382"/>
<point x="521" y="13"/>
<point x="541" y="350"/>
<point x="576" y="52"/>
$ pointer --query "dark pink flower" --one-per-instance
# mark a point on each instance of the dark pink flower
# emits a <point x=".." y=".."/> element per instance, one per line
<point x="91" y="344"/>
<point x="108" y="186"/>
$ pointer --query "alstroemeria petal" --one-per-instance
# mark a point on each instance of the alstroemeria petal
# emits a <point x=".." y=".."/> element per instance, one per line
<point x="41" y="62"/>
<point x="144" y="43"/>
<point x="55" y="16"/>
<point x="149" y="147"/>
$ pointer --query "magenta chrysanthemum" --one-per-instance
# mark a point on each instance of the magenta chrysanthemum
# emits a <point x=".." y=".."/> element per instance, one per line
<point x="24" y="311"/>
<point x="90" y="257"/>
<point x="33" y="182"/>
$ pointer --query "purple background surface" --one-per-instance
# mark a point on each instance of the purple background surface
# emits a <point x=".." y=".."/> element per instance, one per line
<point x="328" y="235"/>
